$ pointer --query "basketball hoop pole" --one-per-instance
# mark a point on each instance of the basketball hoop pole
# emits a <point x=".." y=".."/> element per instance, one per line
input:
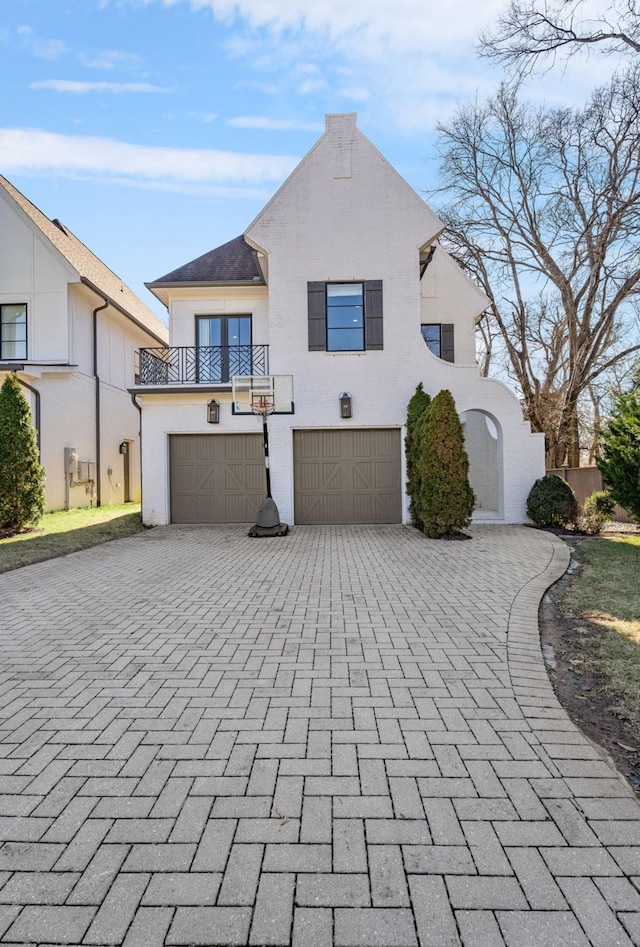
<point x="261" y="396"/>
<point x="262" y="407"/>
<point x="268" y="519"/>
<point x="265" y="441"/>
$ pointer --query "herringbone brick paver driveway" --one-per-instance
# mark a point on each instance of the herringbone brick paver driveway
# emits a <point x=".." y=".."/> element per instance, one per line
<point x="342" y="737"/>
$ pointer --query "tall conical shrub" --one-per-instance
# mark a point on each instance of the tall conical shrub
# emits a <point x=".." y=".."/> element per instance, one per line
<point x="416" y="410"/>
<point x="21" y="476"/>
<point x="446" y="500"/>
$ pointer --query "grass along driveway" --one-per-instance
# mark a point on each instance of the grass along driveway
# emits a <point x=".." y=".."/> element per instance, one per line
<point x="67" y="531"/>
<point x="590" y="631"/>
<point x="607" y="595"/>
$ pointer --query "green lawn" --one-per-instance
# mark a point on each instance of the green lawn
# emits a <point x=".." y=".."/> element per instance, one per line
<point x="607" y="595"/>
<point x="69" y="531"/>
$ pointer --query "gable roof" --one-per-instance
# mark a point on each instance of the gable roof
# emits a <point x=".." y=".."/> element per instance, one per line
<point x="92" y="271"/>
<point x="330" y="160"/>
<point x="233" y="262"/>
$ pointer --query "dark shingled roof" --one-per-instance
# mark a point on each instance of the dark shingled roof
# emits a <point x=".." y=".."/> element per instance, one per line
<point x="233" y="262"/>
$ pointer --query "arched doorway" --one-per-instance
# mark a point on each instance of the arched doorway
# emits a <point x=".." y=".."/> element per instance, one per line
<point x="483" y="443"/>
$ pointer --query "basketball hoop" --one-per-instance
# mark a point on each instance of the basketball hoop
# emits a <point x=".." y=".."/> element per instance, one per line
<point x="262" y="407"/>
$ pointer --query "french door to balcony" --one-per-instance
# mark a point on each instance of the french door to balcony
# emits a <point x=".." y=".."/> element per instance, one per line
<point x="223" y="347"/>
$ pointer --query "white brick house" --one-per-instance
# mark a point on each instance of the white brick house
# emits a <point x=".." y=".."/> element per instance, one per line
<point x="70" y="330"/>
<point x="340" y="283"/>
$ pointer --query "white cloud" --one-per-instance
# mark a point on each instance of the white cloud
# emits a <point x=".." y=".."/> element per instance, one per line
<point x="263" y="123"/>
<point x="390" y="50"/>
<point x="41" y="48"/>
<point x="205" y="117"/>
<point x="266" y="88"/>
<point x="355" y="93"/>
<point x="82" y="88"/>
<point x="108" y="59"/>
<point x="49" y="49"/>
<point x="370" y="28"/>
<point x="402" y="63"/>
<point x="311" y="85"/>
<point x="33" y="151"/>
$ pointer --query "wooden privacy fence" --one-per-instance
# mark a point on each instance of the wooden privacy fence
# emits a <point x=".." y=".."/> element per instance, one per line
<point x="583" y="481"/>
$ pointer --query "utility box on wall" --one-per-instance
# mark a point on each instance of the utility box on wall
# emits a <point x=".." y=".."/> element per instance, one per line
<point x="86" y="471"/>
<point x="78" y="471"/>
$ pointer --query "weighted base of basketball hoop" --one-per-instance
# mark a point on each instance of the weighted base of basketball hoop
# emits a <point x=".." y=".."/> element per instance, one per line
<point x="268" y="521"/>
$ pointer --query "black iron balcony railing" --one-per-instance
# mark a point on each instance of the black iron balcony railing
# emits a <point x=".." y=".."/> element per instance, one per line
<point x="200" y="365"/>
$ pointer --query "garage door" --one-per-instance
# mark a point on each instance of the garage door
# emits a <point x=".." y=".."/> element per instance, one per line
<point x="347" y="476"/>
<point x="216" y="478"/>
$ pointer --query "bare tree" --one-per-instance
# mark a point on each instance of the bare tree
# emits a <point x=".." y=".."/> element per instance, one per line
<point x="543" y="208"/>
<point x="531" y="33"/>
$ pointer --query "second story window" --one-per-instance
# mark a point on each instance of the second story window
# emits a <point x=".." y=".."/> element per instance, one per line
<point x="345" y="317"/>
<point x="13" y="331"/>
<point x="439" y="339"/>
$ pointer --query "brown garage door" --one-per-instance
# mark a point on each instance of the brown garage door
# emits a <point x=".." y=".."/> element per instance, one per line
<point x="347" y="476"/>
<point x="216" y="478"/>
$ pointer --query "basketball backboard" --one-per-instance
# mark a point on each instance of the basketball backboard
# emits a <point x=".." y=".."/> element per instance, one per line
<point x="250" y="390"/>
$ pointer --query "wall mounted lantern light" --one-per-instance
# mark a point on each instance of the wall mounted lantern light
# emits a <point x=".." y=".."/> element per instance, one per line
<point x="213" y="412"/>
<point x="345" y="405"/>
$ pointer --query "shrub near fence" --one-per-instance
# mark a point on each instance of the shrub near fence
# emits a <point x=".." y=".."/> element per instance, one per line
<point x="583" y="481"/>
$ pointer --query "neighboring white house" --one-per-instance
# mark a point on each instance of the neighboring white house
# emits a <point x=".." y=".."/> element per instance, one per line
<point x="339" y="282"/>
<point x="70" y="330"/>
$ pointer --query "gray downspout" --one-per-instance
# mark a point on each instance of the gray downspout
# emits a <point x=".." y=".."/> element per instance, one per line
<point x="35" y="392"/>
<point x="136" y="405"/>
<point x="97" y="378"/>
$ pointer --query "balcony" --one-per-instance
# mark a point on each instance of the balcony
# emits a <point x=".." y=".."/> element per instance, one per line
<point x="201" y="365"/>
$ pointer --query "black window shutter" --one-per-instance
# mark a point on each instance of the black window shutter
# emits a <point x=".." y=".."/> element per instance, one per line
<point x="317" y="317"/>
<point x="373" y="314"/>
<point x="446" y="342"/>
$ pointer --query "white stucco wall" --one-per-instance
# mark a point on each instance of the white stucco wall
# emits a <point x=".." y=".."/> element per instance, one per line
<point x="447" y="295"/>
<point x="224" y="301"/>
<point x="59" y="362"/>
<point x="67" y="419"/>
<point x="32" y="272"/>
<point x="120" y="422"/>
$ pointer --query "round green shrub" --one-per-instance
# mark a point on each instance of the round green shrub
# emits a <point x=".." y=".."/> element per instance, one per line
<point x="597" y="510"/>
<point x="552" y="502"/>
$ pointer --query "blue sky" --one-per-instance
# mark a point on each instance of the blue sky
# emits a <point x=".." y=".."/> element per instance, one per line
<point x="157" y="129"/>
